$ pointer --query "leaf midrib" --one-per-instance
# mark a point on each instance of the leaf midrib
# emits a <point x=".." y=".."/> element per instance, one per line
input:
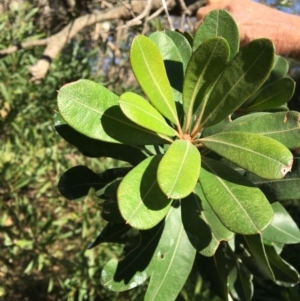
<point x="146" y="246"/>
<point x="266" y="99"/>
<point x="180" y="168"/>
<point x="196" y="89"/>
<point x="156" y="83"/>
<point x="233" y="87"/>
<point x="234" y="198"/>
<point x="242" y="148"/>
<point x="287" y="233"/>
<point x="170" y="263"/>
<point x="159" y="119"/>
<point x="101" y="113"/>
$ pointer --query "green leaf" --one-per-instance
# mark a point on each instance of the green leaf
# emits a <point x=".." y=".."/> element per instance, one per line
<point x="218" y="23"/>
<point x="111" y="233"/>
<point x="149" y="69"/>
<point x="280" y="68"/>
<point x="135" y="268"/>
<point x="282" y="229"/>
<point x="182" y="45"/>
<point x="284" y="273"/>
<point x="273" y="95"/>
<point x="96" y="148"/>
<point x="215" y="270"/>
<point x="197" y="230"/>
<point x="281" y="126"/>
<point x="117" y="125"/>
<point x="258" y="263"/>
<point x="141" y="112"/>
<point x="77" y="181"/>
<point x="283" y="108"/>
<point x="240" y="282"/>
<point x="81" y="105"/>
<point x="219" y="231"/>
<point x="110" y="209"/>
<point x="282" y="189"/>
<point x="214" y="129"/>
<point x="141" y="202"/>
<point x="203" y="70"/>
<point x="203" y="227"/>
<point x="258" y="154"/>
<point x="92" y="110"/>
<point x="244" y="75"/>
<point x="188" y="36"/>
<point x="173" y="261"/>
<point x="172" y="60"/>
<point x="234" y="199"/>
<point x="179" y="169"/>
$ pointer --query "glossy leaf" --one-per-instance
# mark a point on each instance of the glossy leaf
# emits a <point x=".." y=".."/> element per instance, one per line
<point x="274" y="95"/>
<point x="136" y="267"/>
<point x="282" y="229"/>
<point x="258" y="154"/>
<point x="244" y="75"/>
<point x="172" y="60"/>
<point x="214" y="129"/>
<point x="280" y="68"/>
<point x="197" y="230"/>
<point x="77" y="181"/>
<point x="82" y="103"/>
<point x="111" y="233"/>
<point x="279" y="71"/>
<point x="188" y="36"/>
<point x="117" y="125"/>
<point x="149" y="69"/>
<point x="258" y="262"/>
<point x="234" y="199"/>
<point x="215" y="270"/>
<point x="219" y="231"/>
<point x="203" y="227"/>
<point x="141" y="202"/>
<point x="92" y="110"/>
<point x="240" y="282"/>
<point x="218" y="23"/>
<point x="174" y="258"/>
<point x="110" y="209"/>
<point x="182" y="45"/>
<point x="282" y="189"/>
<point x="141" y="112"/>
<point x="281" y="126"/>
<point x="179" y="169"/>
<point x="96" y="148"/>
<point x="203" y="70"/>
<point x="284" y="273"/>
<point x="283" y="108"/>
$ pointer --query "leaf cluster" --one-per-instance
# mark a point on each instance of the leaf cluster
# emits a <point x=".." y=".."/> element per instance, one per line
<point x="210" y="144"/>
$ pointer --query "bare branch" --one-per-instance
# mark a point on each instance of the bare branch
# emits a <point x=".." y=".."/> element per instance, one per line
<point x="145" y="13"/>
<point x="167" y="14"/>
<point x="55" y="43"/>
<point x="159" y="11"/>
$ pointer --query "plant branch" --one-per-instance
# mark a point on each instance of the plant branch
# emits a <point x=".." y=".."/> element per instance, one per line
<point x="55" y="43"/>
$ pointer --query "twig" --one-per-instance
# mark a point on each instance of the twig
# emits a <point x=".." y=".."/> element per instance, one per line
<point x="55" y="43"/>
<point x="145" y="13"/>
<point x="183" y="7"/>
<point x="158" y="12"/>
<point x="167" y="14"/>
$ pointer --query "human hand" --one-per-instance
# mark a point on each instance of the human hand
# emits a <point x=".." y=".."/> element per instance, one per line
<point x="255" y="21"/>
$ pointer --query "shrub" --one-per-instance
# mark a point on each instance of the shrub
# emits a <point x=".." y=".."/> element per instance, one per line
<point x="210" y="158"/>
